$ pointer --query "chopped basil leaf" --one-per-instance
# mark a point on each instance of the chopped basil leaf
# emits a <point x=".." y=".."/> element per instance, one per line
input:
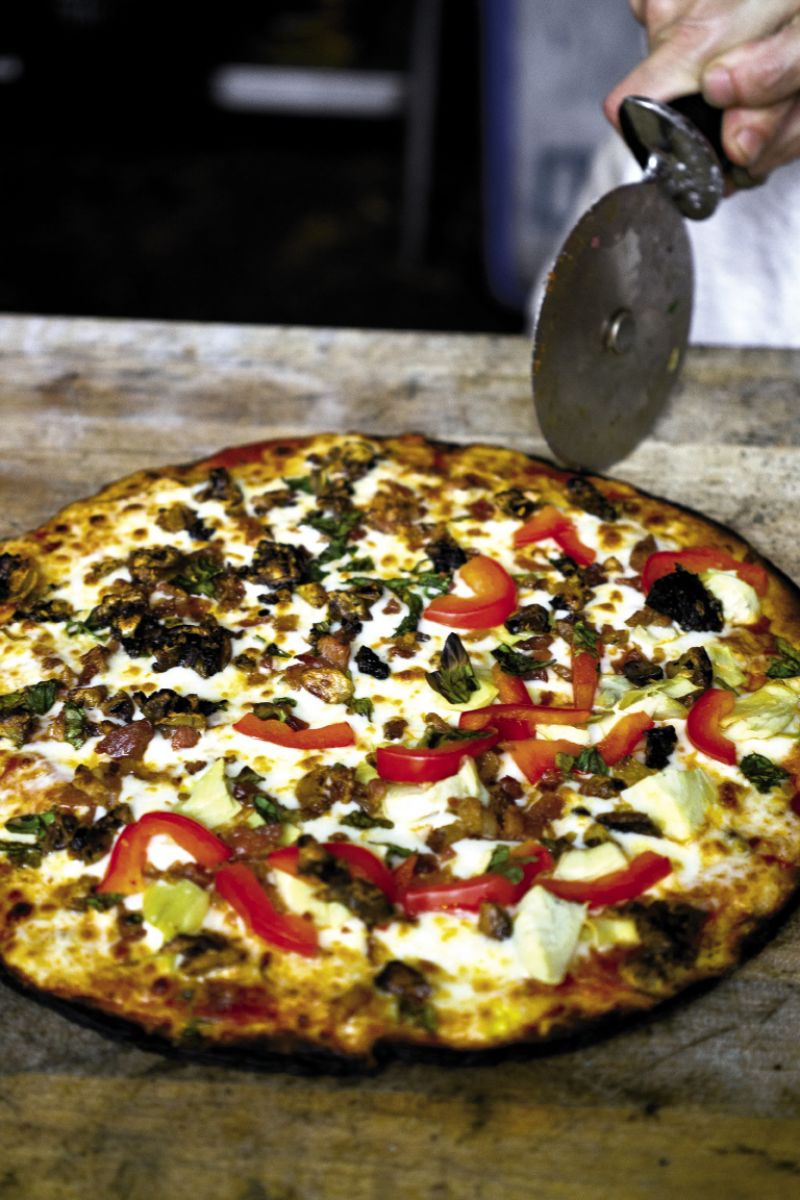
<point x="268" y="808"/>
<point x="74" y="724"/>
<point x="337" y="530"/>
<point x="198" y="575"/>
<point x="455" y="679"/>
<point x="36" y="699"/>
<point x="585" y="638"/>
<point x="362" y="706"/>
<point x="437" y="737"/>
<point x="411" y="621"/>
<point x="75" y="628"/>
<point x="762" y="772"/>
<point x="392" y="849"/>
<point x="787" y="666"/>
<point x="275" y="651"/>
<point x="524" y="666"/>
<point x="101" y="901"/>
<point x="500" y="864"/>
<point x="274" y="710"/>
<point x="31" y="824"/>
<point x="301" y="483"/>
<point x="588" y="762"/>
<point x="362" y="820"/>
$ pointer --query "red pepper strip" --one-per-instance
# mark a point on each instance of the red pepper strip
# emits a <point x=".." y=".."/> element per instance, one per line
<point x="535" y="757"/>
<point x="548" y="522"/>
<point x="516" y="721"/>
<point x="510" y="688"/>
<point x="621" y="741"/>
<point x="361" y="861"/>
<point x="701" y="558"/>
<point x="702" y="725"/>
<point x="639" y="875"/>
<point x="240" y="887"/>
<point x="495" y="597"/>
<point x="409" y="764"/>
<point x="125" y="871"/>
<point x="467" y="895"/>
<point x="584" y="678"/>
<point x="327" y="737"/>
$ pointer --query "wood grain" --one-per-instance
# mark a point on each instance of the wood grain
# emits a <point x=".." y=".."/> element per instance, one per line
<point x="703" y="1095"/>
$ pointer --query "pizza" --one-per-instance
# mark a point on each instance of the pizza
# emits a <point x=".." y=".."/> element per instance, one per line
<point x="341" y="744"/>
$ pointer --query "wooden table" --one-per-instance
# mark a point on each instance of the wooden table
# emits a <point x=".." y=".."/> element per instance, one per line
<point x="704" y="1096"/>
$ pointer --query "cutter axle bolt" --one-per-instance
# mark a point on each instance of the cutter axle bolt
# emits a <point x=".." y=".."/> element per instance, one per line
<point x="620" y="332"/>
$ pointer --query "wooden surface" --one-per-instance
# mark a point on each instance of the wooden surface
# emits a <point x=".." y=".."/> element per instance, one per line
<point x="704" y="1096"/>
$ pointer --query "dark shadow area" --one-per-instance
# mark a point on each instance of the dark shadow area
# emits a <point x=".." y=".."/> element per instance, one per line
<point x="127" y="192"/>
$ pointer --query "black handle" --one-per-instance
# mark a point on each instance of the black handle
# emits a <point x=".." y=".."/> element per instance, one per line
<point x="709" y="121"/>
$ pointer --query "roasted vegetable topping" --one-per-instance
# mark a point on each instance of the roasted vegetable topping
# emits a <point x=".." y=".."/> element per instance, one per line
<point x="682" y="597"/>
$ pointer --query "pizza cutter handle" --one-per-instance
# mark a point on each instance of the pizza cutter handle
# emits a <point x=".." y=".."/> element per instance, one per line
<point x="709" y="121"/>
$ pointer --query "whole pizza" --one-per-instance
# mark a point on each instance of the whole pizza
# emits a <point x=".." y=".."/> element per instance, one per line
<point x="339" y="743"/>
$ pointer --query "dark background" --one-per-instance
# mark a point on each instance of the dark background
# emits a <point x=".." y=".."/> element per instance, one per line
<point x="126" y="192"/>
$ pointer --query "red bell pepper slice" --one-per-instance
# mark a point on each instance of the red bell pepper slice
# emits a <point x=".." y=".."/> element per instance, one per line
<point x="327" y="737"/>
<point x="362" y="862"/>
<point x="125" y="871"/>
<point x="467" y="895"/>
<point x="702" y="725"/>
<point x="535" y="757"/>
<point x="411" y="764"/>
<point x="516" y="721"/>
<point x="548" y="522"/>
<point x="584" y="678"/>
<point x="621" y="740"/>
<point x="640" y="874"/>
<point x="237" y="456"/>
<point x="701" y="558"/>
<point x="240" y="887"/>
<point x="510" y="688"/>
<point x="494" y="599"/>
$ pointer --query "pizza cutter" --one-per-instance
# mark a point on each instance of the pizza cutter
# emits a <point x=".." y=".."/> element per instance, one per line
<point x="613" y="327"/>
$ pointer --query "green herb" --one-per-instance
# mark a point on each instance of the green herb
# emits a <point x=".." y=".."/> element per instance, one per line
<point x="101" y="901"/>
<point x="275" y="651"/>
<point x="248" y="776"/>
<point x="301" y="483"/>
<point x="762" y="772"/>
<point x="431" y="583"/>
<point x="455" y="679"/>
<point x="500" y="864"/>
<point x="397" y="851"/>
<point x="268" y="808"/>
<point x="585" y="638"/>
<point x="360" y="564"/>
<point x="76" y="628"/>
<point x="36" y="699"/>
<point x="588" y="762"/>
<point x="336" y="529"/>
<point x="787" y="666"/>
<point x="198" y="575"/>
<point x="410" y="623"/>
<point x="31" y="823"/>
<point x="274" y="710"/>
<point x="524" y="666"/>
<point x="436" y="737"/>
<point x="363" y="707"/>
<point x="22" y="854"/>
<point x="74" y="724"/>
<point x="362" y="820"/>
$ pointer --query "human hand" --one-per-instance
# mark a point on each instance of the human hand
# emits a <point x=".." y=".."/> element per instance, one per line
<point x="743" y="55"/>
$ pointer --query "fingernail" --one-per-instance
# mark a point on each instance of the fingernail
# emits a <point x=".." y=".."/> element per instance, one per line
<point x="750" y="144"/>
<point x="718" y="87"/>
